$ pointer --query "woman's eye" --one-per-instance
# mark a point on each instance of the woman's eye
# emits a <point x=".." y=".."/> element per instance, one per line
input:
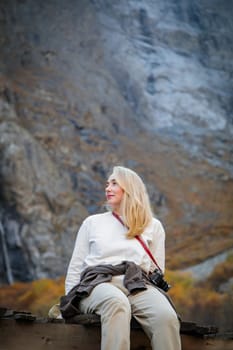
<point x="111" y="183"/>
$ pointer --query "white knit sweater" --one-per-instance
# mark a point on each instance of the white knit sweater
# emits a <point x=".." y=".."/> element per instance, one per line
<point x="102" y="239"/>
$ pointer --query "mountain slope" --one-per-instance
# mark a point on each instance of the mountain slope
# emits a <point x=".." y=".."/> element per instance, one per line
<point x="86" y="85"/>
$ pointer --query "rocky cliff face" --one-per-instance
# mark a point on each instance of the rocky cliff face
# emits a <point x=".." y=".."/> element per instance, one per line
<point x="85" y="85"/>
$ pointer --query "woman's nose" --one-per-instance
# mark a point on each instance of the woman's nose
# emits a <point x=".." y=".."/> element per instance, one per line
<point x="108" y="188"/>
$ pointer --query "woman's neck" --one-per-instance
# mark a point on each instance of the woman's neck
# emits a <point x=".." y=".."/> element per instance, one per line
<point x="117" y="211"/>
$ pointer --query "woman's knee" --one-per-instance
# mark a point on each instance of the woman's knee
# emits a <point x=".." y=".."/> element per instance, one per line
<point x="109" y="300"/>
<point x="169" y="317"/>
<point x="119" y="303"/>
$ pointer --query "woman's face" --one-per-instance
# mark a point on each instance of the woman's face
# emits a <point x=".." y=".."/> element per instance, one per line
<point x="114" y="193"/>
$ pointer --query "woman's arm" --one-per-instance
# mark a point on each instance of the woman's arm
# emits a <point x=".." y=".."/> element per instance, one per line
<point x="81" y="249"/>
<point x="157" y="246"/>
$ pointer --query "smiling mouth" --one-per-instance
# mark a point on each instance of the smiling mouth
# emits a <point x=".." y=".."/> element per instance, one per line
<point x="109" y="196"/>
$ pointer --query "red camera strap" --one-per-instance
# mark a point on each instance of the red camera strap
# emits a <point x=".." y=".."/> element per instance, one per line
<point x="140" y="240"/>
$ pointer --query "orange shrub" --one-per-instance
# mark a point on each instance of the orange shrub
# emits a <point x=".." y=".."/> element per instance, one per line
<point x="36" y="297"/>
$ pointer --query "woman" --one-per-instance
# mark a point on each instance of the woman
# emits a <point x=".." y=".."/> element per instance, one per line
<point x="110" y="267"/>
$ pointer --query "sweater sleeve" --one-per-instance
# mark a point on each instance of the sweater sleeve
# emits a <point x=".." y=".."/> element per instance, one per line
<point x="81" y="249"/>
<point x="158" y="245"/>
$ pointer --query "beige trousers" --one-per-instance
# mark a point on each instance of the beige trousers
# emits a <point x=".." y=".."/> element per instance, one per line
<point x="150" y="308"/>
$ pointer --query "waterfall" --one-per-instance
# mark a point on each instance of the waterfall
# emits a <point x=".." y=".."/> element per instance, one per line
<point x="6" y="260"/>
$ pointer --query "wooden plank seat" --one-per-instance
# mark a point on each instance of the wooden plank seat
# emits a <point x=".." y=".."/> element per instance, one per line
<point x="94" y="320"/>
<point x="21" y="330"/>
<point x="186" y="327"/>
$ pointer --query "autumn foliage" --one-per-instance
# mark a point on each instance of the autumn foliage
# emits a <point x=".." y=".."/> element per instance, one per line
<point x="209" y="301"/>
<point x="36" y="297"/>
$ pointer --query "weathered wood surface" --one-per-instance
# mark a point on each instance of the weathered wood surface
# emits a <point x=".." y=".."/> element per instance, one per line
<point x="25" y="331"/>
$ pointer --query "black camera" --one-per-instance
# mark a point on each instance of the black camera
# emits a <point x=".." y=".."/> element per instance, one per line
<point x="156" y="277"/>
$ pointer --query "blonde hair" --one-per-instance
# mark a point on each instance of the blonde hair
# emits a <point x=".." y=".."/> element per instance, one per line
<point x="135" y="205"/>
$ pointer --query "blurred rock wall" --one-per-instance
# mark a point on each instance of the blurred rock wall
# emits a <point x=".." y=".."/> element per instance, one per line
<point x="88" y="84"/>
